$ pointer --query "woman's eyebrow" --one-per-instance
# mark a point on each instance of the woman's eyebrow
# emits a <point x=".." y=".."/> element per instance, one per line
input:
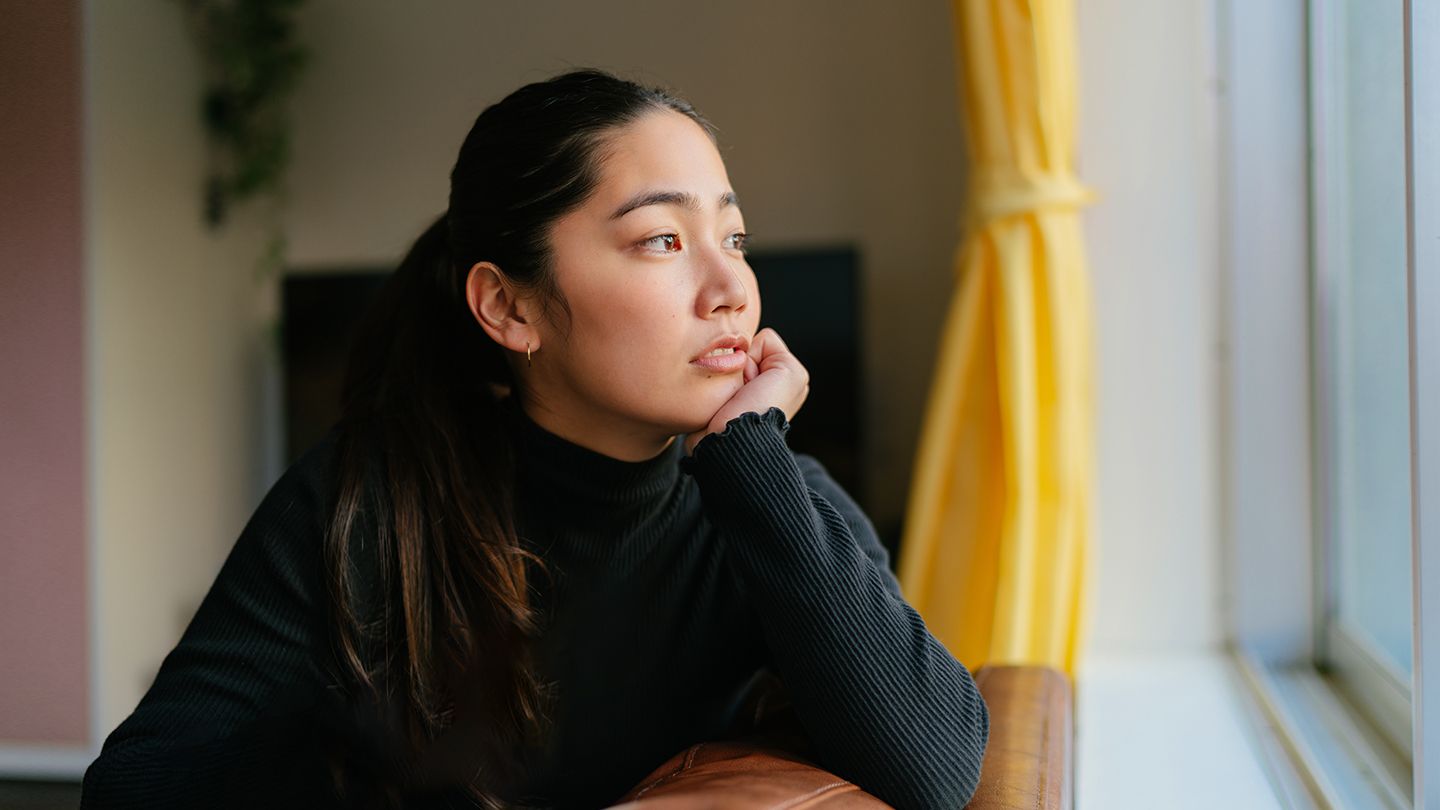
<point x="681" y="198"/>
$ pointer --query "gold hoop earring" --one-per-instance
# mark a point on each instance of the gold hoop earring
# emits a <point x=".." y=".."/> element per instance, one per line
<point x="527" y="355"/>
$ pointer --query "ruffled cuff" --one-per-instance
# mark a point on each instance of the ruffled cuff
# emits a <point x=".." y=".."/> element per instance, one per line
<point x="749" y="430"/>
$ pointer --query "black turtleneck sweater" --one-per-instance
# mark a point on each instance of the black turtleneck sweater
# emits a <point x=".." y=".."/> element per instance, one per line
<point x="676" y="580"/>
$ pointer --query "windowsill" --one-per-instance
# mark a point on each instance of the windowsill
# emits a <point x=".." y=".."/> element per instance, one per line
<point x="1327" y="737"/>
<point x="1170" y="730"/>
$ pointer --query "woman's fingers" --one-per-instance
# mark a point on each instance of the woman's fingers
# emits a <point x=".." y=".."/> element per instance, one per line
<point x="769" y="351"/>
<point x="768" y="348"/>
<point x="757" y="345"/>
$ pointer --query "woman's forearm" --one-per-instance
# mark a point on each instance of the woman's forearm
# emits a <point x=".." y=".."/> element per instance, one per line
<point x="886" y="705"/>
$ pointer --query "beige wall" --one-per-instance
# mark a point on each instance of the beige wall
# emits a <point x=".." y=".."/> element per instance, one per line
<point x="1148" y="144"/>
<point x="838" y="123"/>
<point x="175" y="330"/>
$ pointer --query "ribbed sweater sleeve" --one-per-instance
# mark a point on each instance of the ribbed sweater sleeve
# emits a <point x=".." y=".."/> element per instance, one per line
<point x="234" y="700"/>
<point x="884" y="703"/>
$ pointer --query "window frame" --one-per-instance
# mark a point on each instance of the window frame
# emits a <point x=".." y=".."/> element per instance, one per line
<point x="1367" y="679"/>
<point x="1422" y="158"/>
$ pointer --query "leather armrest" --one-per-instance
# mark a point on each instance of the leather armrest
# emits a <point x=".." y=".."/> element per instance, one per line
<point x="1029" y="759"/>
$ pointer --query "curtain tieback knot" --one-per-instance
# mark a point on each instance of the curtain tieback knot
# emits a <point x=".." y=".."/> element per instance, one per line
<point x="1006" y="192"/>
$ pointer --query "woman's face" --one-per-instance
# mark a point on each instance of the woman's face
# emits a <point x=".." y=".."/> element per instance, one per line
<point x="652" y="269"/>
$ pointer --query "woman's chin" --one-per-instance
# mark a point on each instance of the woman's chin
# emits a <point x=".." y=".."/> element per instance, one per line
<point x="710" y="399"/>
<point x="693" y="406"/>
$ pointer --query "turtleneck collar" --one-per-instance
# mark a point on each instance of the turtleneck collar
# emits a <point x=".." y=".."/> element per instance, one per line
<point x="566" y="474"/>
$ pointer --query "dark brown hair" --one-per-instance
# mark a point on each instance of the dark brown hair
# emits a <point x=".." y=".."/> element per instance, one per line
<point x="429" y="583"/>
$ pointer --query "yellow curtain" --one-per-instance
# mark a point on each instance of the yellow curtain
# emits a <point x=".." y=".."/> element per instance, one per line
<point x="995" y="544"/>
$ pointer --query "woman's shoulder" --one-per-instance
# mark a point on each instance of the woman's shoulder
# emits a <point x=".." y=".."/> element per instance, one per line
<point x="284" y="535"/>
<point x="305" y="491"/>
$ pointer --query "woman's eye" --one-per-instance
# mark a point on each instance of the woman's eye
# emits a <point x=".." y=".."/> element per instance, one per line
<point x="737" y="240"/>
<point x="667" y="242"/>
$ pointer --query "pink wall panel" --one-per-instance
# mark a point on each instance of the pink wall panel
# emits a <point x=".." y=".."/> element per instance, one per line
<point x="43" y="628"/>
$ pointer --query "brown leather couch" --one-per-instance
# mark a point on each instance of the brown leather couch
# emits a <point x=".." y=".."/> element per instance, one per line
<point x="1029" y="761"/>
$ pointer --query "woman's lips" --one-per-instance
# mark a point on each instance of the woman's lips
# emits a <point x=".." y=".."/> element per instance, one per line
<point x="722" y="363"/>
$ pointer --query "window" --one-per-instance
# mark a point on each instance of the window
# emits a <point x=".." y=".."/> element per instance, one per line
<point x="1331" y="219"/>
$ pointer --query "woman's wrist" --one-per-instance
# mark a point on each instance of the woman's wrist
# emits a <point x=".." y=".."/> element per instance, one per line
<point x="718" y="427"/>
<point x="693" y="440"/>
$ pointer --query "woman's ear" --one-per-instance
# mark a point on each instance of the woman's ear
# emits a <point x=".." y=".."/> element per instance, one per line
<point x="503" y="315"/>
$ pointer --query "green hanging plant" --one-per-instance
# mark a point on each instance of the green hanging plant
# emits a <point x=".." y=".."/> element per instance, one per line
<point x="252" y="61"/>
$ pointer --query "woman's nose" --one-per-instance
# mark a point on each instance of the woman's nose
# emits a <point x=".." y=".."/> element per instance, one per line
<point x="724" y="284"/>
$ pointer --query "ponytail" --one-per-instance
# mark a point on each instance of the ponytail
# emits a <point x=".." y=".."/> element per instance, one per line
<point x="428" y="579"/>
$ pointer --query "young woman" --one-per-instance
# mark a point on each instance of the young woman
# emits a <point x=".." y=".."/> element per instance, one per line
<point x="558" y="531"/>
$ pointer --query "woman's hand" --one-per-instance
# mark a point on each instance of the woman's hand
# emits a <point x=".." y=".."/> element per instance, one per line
<point x="773" y="378"/>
